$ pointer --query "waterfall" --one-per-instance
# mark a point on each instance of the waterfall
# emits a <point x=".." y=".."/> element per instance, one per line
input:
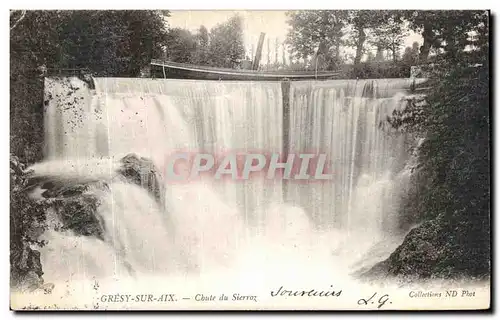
<point x="155" y="118"/>
<point x="89" y="130"/>
<point x="208" y="224"/>
<point x="346" y="120"/>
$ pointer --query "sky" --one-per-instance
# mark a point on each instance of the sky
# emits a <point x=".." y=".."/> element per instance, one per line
<point x="272" y="23"/>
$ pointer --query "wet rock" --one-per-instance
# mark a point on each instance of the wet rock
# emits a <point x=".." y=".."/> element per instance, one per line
<point x="73" y="205"/>
<point x="26" y="224"/>
<point x="141" y="171"/>
<point x="26" y="268"/>
<point x="444" y="248"/>
<point x="79" y="214"/>
<point x="417" y="255"/>
<point x="31" y="281"/>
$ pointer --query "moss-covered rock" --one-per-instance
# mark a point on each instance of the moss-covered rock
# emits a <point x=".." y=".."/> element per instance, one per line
<point x="26" y="268"/>
<point x="141" y="171"/>
<point x="27" y="223"/>
<point x="73" y="204"/>
<point x="79" y="214"/>
<point x="440" y="248"/>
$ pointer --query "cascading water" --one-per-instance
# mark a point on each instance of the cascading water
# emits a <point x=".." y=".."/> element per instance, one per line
<point x="155" y="118"/>
<point x="251" y="227"/>
<point x="346" y="119"/>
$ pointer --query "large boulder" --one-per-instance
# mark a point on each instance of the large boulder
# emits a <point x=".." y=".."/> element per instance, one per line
<point x="72" y="204"/>
<point x="444" y="248"/>
<point x="75" y="202"/>
<point x="26" y="268"/>
<point x="141" y="171"/>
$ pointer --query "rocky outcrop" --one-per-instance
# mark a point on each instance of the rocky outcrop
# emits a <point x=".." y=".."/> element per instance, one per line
<point x="439" y="248"/>
<point x="73" y="204"/>
<point x="27" y="222"/>
<point x="141" y="171"/>
<point x="79" y="214"/>
<point x="26" y="268"/>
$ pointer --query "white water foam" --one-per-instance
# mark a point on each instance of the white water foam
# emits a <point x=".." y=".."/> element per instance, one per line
<point x="237" y="235"/>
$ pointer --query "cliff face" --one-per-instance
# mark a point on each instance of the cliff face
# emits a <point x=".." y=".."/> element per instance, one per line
<point x="72" y="207"/>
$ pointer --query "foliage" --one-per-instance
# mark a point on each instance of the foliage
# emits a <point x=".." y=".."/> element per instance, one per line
<point x="325" y="32"/>
<point x="453" y="180"/>
<point x="317" y="32"/>
<point x="455" y="122"/>
<point x="449" y="30"/>
<point x="363" y="22"/>
<point x="181" y="45"/>
<point x="226" y="43"/>
<point x="390" y="33"/>
<point x="106" y="43"/>
<point x="377" y="70"/>
<point x="221" y="47"/>
<point x="202" y="54"/>
<point x="410" y="55"/>
<point x="27" y="222"/>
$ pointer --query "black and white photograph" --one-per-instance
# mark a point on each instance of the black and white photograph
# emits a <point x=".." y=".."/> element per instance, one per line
<point x="335" y="160"/>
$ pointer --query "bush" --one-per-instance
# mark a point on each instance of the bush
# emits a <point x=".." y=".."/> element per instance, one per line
<point x="452" y="186"/>
<point x="27" y="223"/>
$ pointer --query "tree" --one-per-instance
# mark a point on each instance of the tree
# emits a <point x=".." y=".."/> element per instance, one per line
<point x="181" y="45"/>
<point x="424" y="22"/>
<point x="108" y="42"/>
<point x="362" y="22"/>
<point x="202" y="36"/>
<point x="315" y="33"/>
<point x="226" y="45"/>
<point x="276" y="48"/>
<point x="457" y="32"/>
<point x="450" y="29"/>
<point x="390" y="33"/>
<point x="201" y="55"/>
<point x="146" y="34"/>
<point x="104" y="42"/>
<point x="370" y="57"/>
<point x="452" y="179"/>
<point x="283" y="55"/>
<point x="410" y="55"/>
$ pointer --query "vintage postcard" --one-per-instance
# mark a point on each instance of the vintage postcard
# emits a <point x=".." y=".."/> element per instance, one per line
<point x="250" y="160"/>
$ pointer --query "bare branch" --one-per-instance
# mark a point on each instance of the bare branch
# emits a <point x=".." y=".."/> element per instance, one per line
<point x="23" y="14"/>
